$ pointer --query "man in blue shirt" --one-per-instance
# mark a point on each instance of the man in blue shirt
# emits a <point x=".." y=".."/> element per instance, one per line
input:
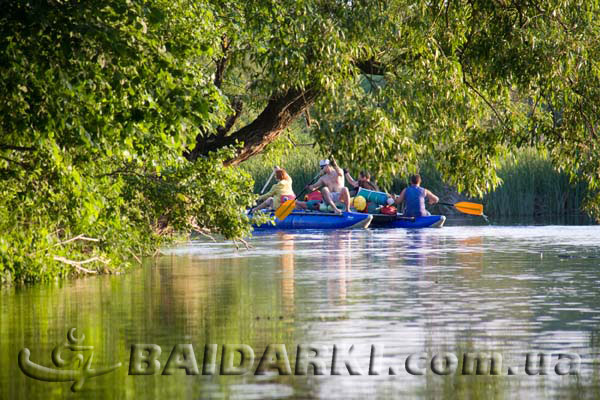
<point x="414" y="196"/>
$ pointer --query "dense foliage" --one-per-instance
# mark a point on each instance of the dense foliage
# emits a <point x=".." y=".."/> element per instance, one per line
<point x="116" y="117"/>
<point x="467" y="82"/>
<point x="98" y="103"/>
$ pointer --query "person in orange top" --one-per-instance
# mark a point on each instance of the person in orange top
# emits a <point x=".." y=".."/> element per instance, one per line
<point x="280" y="192"/>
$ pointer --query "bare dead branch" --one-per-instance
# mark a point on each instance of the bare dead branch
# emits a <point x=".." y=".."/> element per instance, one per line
<point x="158" y="252"/>
<point x="134" y="256"/>
<point x="245" y="244"/>
<point x="202" y="231"/>
<point x="78" y="237"/>
<point x="78" y="264"/>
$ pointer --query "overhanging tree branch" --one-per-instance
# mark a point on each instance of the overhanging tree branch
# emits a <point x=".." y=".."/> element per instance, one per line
<point x="222" y="62"/>
<point x="237" y="106"/>
<point x="281" y="110"/>
<point x="473" y="88"/>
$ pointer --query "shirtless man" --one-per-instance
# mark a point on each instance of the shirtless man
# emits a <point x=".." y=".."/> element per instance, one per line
<point x="332" y="186"/>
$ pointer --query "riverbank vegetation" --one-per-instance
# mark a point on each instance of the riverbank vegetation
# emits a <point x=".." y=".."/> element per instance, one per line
<point x="531" y="187"/>
<point x="122" y="123"/>
<point x="97" y="109"/>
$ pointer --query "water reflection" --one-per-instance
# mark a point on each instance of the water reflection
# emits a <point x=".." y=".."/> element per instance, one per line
<point x="487" y="289"/>
<point x="287" y="272"/>
<point x="338" y="262"/>
<point x="470" y="258"/>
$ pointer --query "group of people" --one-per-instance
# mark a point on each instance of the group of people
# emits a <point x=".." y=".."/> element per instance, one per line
<point x="331" y="184"/>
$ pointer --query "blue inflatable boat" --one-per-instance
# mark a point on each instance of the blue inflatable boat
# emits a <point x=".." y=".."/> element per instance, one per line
<point x="400" y="221"/>
<point x="319" y="220"/>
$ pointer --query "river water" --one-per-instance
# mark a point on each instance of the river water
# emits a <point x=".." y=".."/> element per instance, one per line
<point x="433" y="297"/>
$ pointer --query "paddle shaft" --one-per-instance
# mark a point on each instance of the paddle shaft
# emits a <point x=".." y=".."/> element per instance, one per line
<point x="306" y="187"/>
<point x="455" y="204"/>
<point x="268" y="181"/>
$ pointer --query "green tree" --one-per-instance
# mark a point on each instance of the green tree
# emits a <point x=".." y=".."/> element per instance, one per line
<point x="99" y="101"/>
<point x="464" y="82"/>
<point x="119" y="120"/>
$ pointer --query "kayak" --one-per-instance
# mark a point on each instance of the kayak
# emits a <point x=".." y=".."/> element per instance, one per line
<point x="319" y="220"/>
<point x="400" y="221"/>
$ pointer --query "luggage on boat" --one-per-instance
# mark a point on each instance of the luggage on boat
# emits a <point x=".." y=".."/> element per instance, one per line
<point x="388" y="210"/>
<point x="378" y="198"/>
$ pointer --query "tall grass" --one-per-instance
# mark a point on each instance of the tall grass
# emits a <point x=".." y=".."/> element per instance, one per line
<point x="532" y="187"/>
<point x="431" y="177"/>
<point x="301" y="162"/>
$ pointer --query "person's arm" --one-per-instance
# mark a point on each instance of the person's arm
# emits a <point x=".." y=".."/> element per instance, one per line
<point x="315" y="186"/>
<point x="400" y="198"/>
<point x="351" y="181"/>
<point x="432" y="197"/>
<point x="270" y="193"/>
<point x="335" y="166"/>
<point x="263" y="197"/>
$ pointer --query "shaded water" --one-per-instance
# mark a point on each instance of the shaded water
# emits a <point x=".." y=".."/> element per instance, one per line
<point x="509" y="290"/>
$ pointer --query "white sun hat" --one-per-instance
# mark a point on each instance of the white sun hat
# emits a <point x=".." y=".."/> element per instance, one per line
<point x="323" y="163"/>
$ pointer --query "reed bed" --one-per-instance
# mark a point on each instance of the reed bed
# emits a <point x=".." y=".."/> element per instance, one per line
<point x="532" y="187"/>
<point x="301" y="163"/>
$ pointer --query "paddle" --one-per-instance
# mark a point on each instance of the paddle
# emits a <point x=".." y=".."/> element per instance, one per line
<point x="268" y="181"/>
<point x="466" y="207"/>
<point x="288" y="206"/>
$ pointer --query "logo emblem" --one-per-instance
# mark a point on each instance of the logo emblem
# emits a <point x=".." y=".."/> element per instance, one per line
<point x="76" y="367"/>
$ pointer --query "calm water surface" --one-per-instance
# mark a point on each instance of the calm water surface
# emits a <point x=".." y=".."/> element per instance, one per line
<point x="502" y="289"/>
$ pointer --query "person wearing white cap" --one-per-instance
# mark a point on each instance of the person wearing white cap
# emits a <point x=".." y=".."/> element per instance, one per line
<point x="332" y="186"/>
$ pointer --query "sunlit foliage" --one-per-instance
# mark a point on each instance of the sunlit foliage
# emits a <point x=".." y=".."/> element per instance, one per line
<point x="101" y="101"/>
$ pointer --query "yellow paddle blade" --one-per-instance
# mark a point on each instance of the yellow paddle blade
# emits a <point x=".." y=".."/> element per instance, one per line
<point x="469" y="208"/>
<point x="285" y="209"/>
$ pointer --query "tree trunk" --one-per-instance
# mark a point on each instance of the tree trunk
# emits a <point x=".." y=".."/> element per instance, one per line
<point x="279" y="113"/>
